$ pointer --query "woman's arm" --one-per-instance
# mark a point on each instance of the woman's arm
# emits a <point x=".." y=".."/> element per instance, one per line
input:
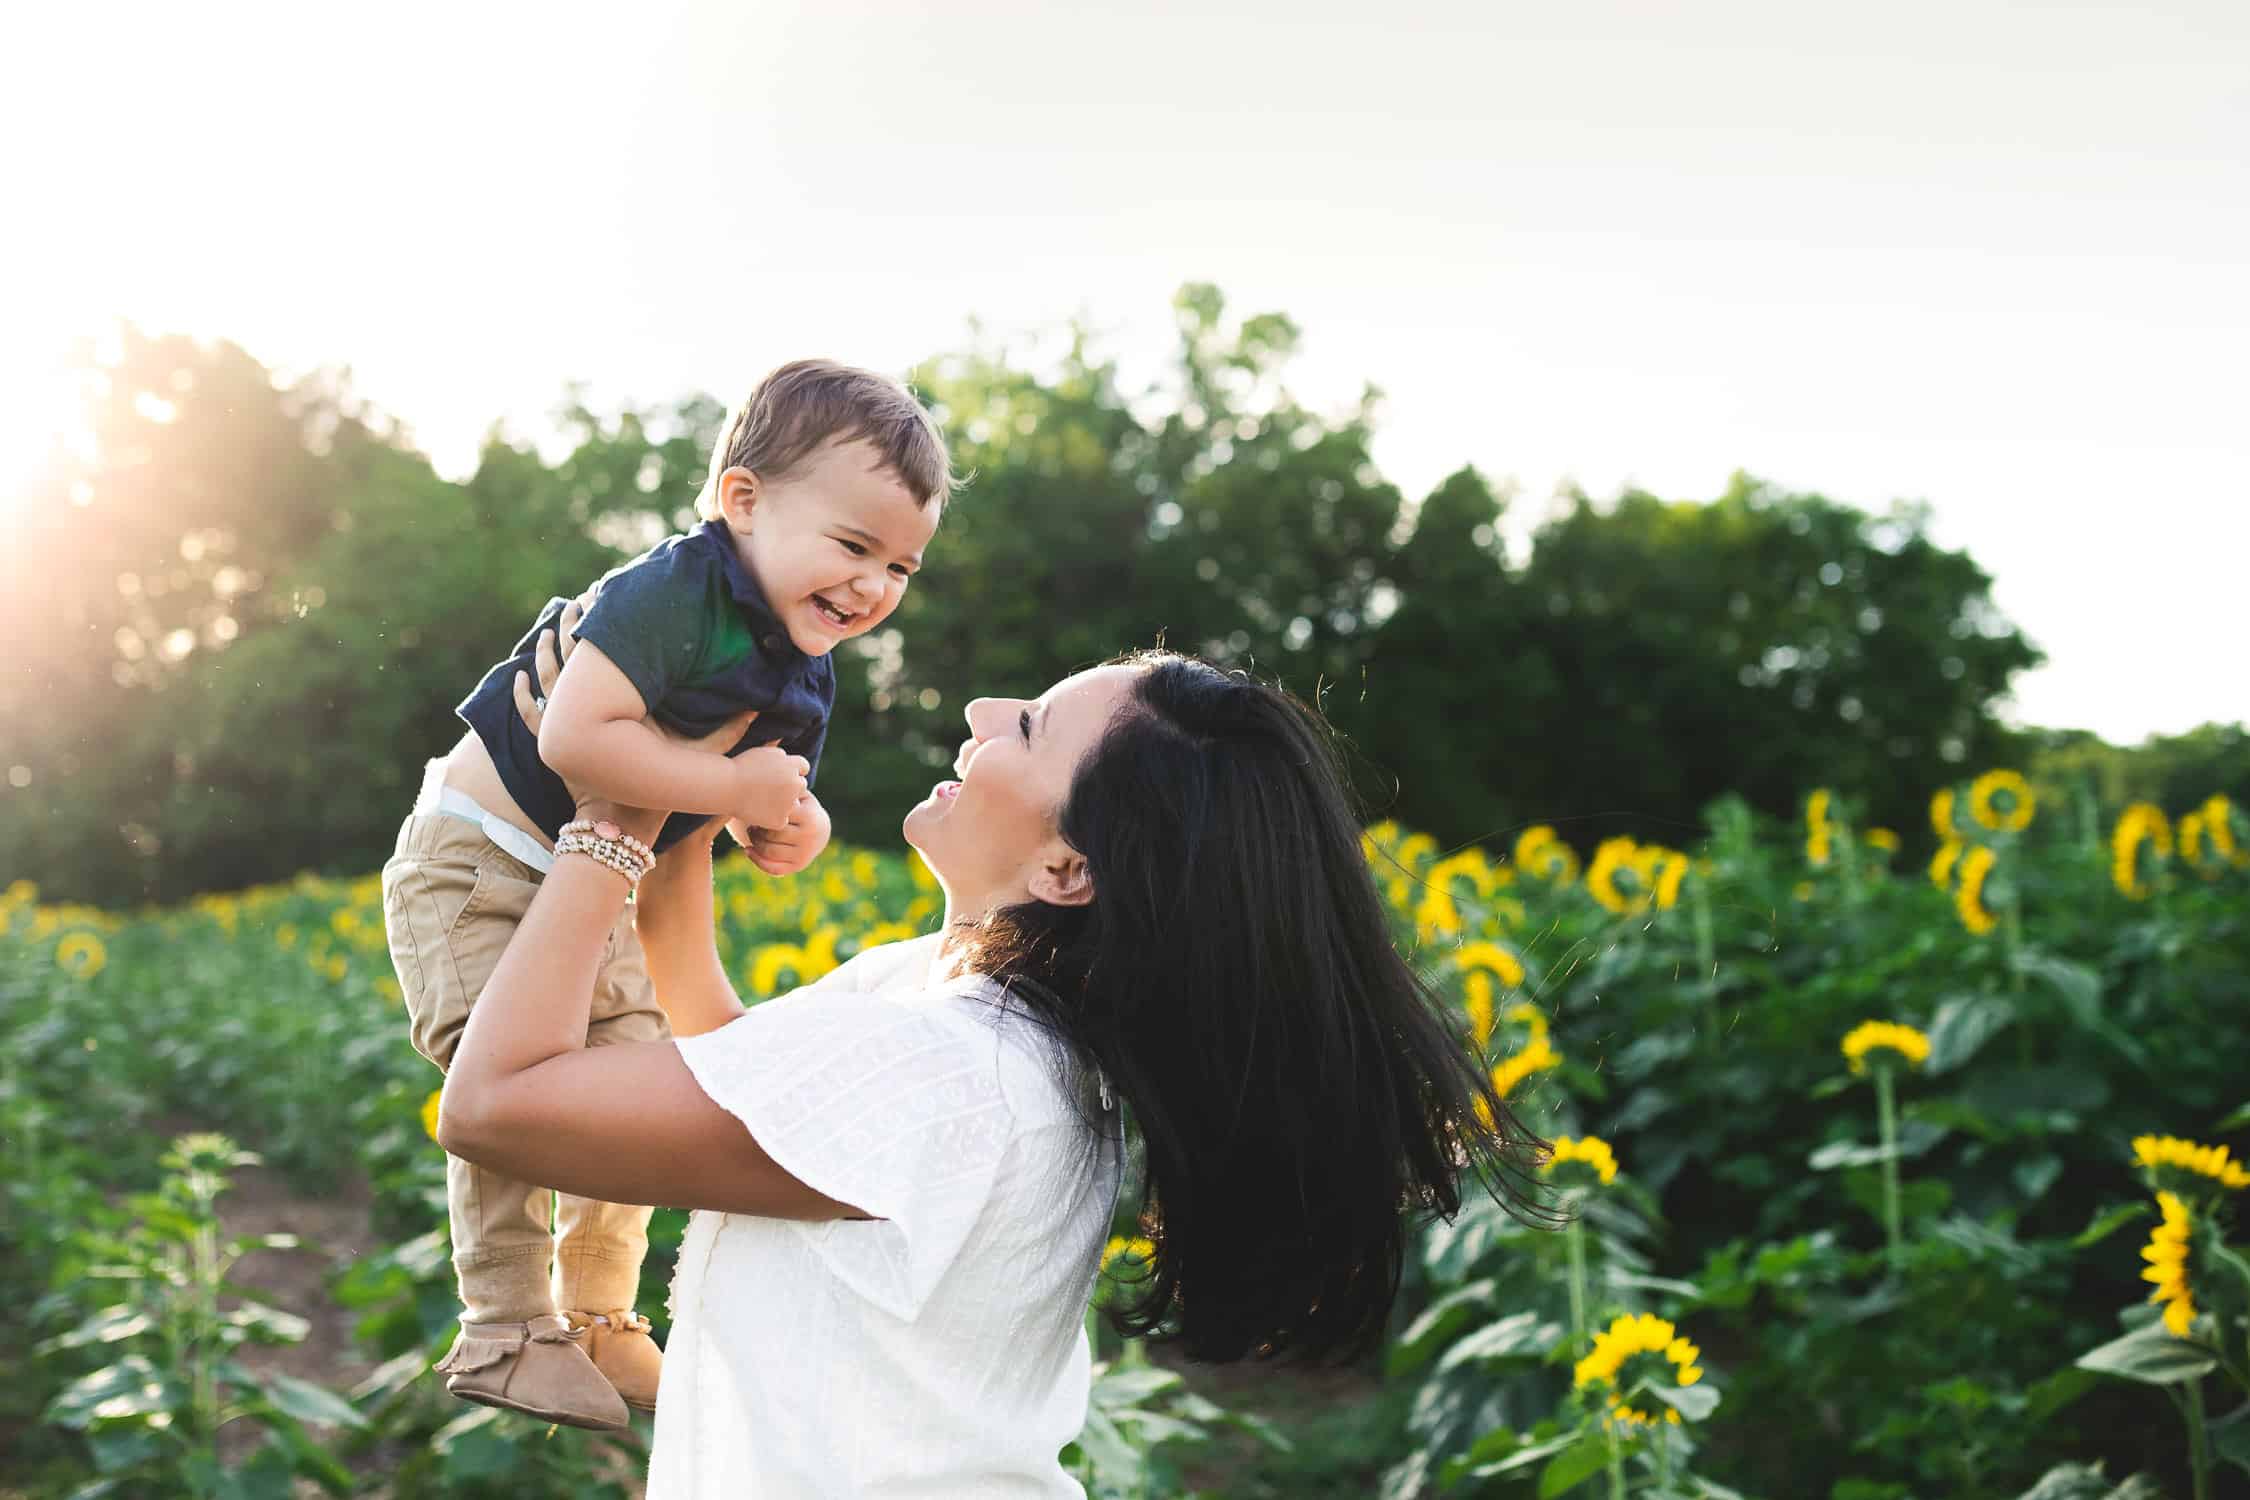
<point x="674" y="919"/>
<point x="625" y="1124"/>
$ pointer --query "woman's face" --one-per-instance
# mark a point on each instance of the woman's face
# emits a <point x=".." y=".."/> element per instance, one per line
<point x="990" y="836"/>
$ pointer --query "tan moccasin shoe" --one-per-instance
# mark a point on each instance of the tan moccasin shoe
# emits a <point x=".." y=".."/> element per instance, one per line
<point x="539" y="1368"/>
<point x="622" y="1350"/>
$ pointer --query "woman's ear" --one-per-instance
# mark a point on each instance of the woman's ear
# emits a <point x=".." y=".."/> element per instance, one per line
<point x="738" y="496"/>
<point x="1061" y="878"/>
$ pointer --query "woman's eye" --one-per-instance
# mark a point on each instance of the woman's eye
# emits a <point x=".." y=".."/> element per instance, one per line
<point x="1023" y="725"/>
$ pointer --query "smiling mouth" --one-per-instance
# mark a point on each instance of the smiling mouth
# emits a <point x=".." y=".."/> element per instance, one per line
<point x="831" y="613"/>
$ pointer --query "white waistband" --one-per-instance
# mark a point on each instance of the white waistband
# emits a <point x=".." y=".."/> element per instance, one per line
<point x="438" y="798"/>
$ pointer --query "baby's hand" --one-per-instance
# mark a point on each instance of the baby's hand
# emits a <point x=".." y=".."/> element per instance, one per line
<point x="791" y="847"/>
<point x="771" y="780"/>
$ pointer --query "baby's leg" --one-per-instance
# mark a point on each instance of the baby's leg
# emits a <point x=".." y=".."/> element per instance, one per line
<point x="451" y="902"/>
<point x="600" y="1246"/>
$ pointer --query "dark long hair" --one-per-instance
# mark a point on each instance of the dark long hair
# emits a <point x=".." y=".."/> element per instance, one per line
<point x="1298" y="1092"/>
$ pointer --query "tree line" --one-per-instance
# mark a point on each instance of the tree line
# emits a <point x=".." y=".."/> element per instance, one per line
<point x="240" y="613"/>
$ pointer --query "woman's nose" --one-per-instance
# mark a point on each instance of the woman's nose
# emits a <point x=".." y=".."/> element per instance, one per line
<point x="983" y="714"/>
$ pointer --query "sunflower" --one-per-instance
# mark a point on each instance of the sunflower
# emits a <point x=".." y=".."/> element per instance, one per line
<point x="1941" y="815"/>
<point x="2002" y="800"/>
<point x="1492" y="957"/>
<point x="1596" y="1161"/>
<point x="2191" y="843"/>
<point x="808" y="963"/>
<point x="430" y="1112"/>
<point x="2167" y="1255"/>
<point x="1941" y="864"/>
<point x="81" y="955"/>
<point x="1885" y="1043"/>
<point x="1543" y="856"/>
<point x="1476" y="999"/>
<point x="2218" y="821"/>
<point x="1620" y="1363"/>
<point x="2141" y="823"/>
<point x="1436" y="915"/>
<point x="1883" y="839"/>
<point x="1968" y="897"/>
<point x="1671" y="868"/>
<point x="1530" y="1017"/>
<point x="2166" y="1157"/>
<point x="1536" y="1056"/>
<point x="1816" y="827"/>
<point x="1138" y="1248"/>
<point x="2212" y="822"/>
<point x="1481" y="964"/>
<point x="1611" y="857"/>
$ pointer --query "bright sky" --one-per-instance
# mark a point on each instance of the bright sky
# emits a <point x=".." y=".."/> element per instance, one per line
<point x="1983" y="254"/>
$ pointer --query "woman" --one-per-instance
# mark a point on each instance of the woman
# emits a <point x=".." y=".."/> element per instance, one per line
<point x="1157" y="910"/>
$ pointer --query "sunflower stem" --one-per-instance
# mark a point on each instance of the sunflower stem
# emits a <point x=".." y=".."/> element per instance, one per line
<point x="2013" y="928"/>
<point x="2199" y="1442"/>
<point x="1886" y="1111"/>
<point x="1706" y="957"/>
<point x="1617" y="1466"/>
<point x="1575" y="1237"/>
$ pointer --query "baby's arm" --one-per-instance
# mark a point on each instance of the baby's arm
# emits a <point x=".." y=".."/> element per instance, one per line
<point x="594" y="736"/>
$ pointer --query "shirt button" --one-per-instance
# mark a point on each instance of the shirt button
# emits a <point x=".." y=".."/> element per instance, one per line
<point x="771" y="642"/>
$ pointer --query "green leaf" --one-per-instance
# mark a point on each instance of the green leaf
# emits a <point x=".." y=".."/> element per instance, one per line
<point x="1573" y="1466"/>
<point x="1437" y="1323"/>
<point x="120" y="1448"/>
<point x="2107" y="1224"/>
<point x="2231" y="1442"/>
<point x="1694" y="1403"/>
<point x="1962" y="1025"/>
<point x="130" y="1388"/>
<point x="268" y="1324"/>
<point x="2234" y="1121"/>
<point x="1831" y="1086"/>
<point x="1517" y="1336"/>
<point x="1915" y="1137"/>
<point x="2151" y="1356"/>
<point x="111" y="1324"/>
<point x="2035" y="1175"/>
<point x="1114" y="1459"/>
<point x="311" y="1403"/>
<point x="1527" y="1455"/>
<point x="2043" y="1398"/>
<point x="2226" y="1256"/>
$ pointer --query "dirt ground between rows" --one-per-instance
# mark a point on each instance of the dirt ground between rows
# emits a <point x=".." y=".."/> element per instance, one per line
<point x="333" y="1231"/>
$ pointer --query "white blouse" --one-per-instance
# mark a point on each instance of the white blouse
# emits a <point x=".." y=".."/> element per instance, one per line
<point x="939" y="1350"/>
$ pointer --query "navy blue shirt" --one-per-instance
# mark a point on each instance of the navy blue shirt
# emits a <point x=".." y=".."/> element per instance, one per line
<point x="689" y="628"/>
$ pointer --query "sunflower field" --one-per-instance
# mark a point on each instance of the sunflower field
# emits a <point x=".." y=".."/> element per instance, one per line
<point x="1897" y="1166"/>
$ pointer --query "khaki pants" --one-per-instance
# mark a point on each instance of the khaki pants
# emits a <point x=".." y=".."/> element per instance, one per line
<point x="451" y="901"/>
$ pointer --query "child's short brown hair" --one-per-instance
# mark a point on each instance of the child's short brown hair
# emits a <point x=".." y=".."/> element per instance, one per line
<point x="808" y="403"/>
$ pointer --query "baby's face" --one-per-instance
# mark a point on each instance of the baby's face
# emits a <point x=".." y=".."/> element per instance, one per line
<point x="833" y="545"/>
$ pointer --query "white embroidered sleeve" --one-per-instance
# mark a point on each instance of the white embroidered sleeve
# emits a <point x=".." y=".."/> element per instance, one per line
<point x="893" y="1105"/>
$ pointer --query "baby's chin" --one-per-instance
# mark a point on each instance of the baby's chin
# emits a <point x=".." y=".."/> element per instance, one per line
<point x="813" y="631"/>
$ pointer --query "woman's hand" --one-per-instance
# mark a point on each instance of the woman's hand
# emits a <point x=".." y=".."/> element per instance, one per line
<point x="548" y="656"/>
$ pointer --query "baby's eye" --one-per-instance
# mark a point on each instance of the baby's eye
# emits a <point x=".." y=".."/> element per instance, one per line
<point x="854" y="548"/>
<point x="901" y="571"/>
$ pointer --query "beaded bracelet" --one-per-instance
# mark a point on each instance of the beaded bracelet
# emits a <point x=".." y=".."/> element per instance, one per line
<point x="607" y="844"/>
<point x="608" y="830"/>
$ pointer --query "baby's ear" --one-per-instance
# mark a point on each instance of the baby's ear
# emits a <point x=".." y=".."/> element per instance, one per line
<point x="739" y="493"/>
